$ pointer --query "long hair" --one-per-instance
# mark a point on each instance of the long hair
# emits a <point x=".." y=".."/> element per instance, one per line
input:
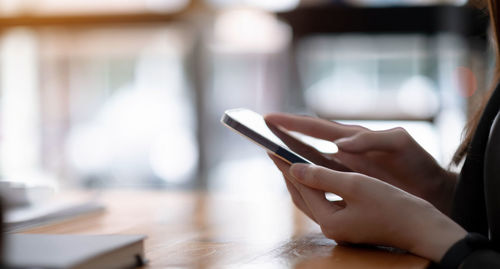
<point x="470" y="128"/>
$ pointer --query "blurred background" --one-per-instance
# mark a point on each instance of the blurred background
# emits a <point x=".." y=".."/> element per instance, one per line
<point x="129" y="94"/>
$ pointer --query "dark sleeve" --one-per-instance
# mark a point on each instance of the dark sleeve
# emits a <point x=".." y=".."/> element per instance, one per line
<point x="487" y="257"/>
<point x="479" y="259"/>
<point x="484" y="258"/>
<point x="472" y="251"/>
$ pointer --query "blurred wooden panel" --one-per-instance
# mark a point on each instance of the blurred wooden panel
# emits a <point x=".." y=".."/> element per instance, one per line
<point x="86" y="20"/>
<point x="199" y="230"/>
<point x="32" y="18"/>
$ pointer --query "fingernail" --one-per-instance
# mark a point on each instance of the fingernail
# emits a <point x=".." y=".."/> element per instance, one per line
<point x="298" y="170"/>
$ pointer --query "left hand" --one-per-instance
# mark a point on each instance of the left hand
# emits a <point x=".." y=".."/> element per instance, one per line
<point x="390" y="155"/>
<point x="372" y="212"/>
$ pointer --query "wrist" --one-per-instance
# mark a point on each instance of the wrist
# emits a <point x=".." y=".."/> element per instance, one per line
<point x="437" y="235"/>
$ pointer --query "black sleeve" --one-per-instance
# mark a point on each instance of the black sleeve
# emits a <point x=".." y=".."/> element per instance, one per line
<point x="479" y="259"/>
<point x="472" y="251"/>
<point x="484" y="258"/>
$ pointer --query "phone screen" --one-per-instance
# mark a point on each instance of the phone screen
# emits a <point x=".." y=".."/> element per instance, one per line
<point x="253" y="126"/>
<point x="255" y="122"/>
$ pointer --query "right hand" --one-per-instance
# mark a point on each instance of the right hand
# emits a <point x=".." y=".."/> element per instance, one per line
<point x="390" y="155"/>
<point x="371" y="212"/>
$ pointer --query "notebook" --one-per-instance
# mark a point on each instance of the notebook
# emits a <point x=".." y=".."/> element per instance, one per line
<point x="73" y="251"/>
<point x="21" y="218"/>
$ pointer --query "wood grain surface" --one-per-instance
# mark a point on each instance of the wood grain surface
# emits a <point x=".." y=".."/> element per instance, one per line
<point x="201" y="230"/>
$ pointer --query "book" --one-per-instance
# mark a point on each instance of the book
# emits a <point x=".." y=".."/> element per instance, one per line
<point x="21" y="218"/>
<point x="73" y="251"/>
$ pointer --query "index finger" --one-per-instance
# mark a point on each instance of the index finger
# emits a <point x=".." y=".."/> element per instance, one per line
<point x="315" y="127"/>
<point x="307" y="151"/>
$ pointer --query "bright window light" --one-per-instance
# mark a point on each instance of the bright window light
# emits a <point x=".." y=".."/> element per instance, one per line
<point x="418" y="97"/>
<point x="270" y="5"/>
<point x="250" y="30"/>
<point x="174" y="155"/>
<point x="143" y="130"/>
<point x="20" y="150"/>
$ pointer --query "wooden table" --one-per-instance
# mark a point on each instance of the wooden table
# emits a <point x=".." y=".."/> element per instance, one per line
<point x="200" y="230"/>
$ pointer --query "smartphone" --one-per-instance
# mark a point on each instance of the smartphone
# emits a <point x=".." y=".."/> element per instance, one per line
<point x="253" y="126"/>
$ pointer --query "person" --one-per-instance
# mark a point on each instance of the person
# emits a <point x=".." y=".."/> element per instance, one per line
<point x="395" y="194"/>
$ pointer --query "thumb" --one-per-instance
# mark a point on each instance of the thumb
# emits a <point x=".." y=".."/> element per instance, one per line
<point x="324" y="179"/>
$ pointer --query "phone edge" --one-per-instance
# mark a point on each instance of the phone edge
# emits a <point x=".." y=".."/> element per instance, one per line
<point x="273" y="148"/>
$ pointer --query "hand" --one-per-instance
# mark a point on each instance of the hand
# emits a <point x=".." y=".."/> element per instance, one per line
<point x="372" y="212"/>
<point x="392" y="156"/>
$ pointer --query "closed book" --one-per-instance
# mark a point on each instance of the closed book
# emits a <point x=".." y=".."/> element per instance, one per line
<point x="73" y="251"/>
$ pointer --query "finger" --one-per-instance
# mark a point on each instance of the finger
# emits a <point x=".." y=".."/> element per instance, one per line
<point x="340" y="204"/>
<point x="282" y="165"/>
<point x="315" y="199"/>
<point x="344" y="184"/>
<point x="360" y="163"/>
<point x="297" y="146"/>
<point x="304" y="150"/>
<point x="314" y="127"/>
<point x="310" y="201"/>
<point x="387" y="140"/>
<point x="298" y="200"/>
<point x="291" y="186"/>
